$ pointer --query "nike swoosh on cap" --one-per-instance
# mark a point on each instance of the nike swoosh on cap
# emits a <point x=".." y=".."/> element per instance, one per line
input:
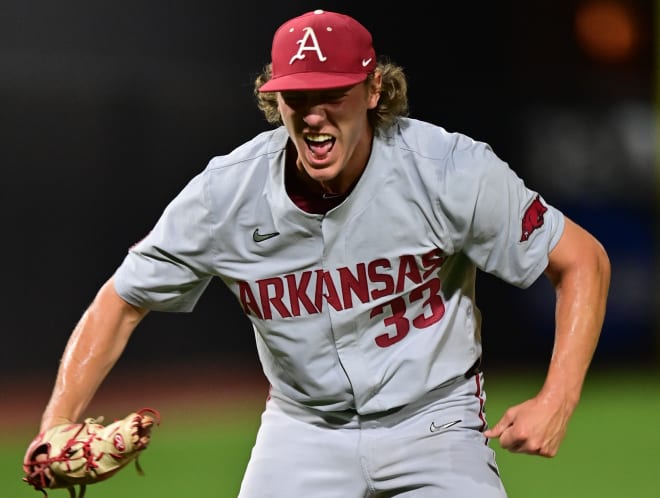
<point x="365" y="62"/>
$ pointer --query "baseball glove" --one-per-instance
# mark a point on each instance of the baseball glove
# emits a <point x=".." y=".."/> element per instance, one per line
<point x="81" y="454"/>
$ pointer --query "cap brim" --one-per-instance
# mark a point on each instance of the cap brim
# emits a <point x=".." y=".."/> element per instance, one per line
<point x="312" y="81"/>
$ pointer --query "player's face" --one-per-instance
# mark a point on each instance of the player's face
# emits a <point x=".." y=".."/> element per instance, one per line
<point x="331" y="132"/>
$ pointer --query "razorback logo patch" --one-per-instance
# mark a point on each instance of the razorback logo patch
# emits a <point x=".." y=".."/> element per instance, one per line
<point x="533" y="218"/>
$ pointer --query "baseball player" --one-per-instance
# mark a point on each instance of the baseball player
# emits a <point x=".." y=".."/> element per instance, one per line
<point x="351" y="235"/>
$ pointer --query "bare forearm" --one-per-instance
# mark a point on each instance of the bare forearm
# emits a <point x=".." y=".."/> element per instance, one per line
<point x="580" y="310"/>
<point x="92" y="350"/>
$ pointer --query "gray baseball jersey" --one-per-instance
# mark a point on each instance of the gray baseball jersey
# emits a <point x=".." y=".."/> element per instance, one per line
<point x="372" y="304"/>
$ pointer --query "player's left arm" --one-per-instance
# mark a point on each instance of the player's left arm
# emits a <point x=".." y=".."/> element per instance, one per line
<point x="579" y="270"/>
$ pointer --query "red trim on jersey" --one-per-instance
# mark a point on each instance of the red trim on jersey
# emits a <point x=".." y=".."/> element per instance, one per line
<point x="479" y="393"/>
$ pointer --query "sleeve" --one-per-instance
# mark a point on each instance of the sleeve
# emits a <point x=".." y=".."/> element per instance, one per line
<point x="170" y="268"/>
<point x="509" y="229"/>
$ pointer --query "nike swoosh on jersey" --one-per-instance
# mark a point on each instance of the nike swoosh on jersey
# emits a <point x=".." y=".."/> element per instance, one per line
<point x="260" y="237"/>
<point x="437" y="428"/>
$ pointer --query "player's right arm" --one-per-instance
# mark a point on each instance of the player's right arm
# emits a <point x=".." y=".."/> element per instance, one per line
<point x="94" y="346"/>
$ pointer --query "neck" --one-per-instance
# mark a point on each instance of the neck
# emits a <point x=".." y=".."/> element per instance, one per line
<point x="340" y="185"/>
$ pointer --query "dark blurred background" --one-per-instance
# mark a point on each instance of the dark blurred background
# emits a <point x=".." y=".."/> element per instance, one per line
<point x="108" y="108"/>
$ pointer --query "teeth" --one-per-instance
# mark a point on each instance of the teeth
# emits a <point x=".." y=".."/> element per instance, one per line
<point x="318" y="138"/>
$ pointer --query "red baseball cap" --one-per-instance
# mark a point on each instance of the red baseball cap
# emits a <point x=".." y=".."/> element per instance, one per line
<point x="320" y="50"/>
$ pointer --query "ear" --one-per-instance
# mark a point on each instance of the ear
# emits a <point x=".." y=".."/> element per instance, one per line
<point x="374" y="89"/>
<point x="278" y="98"/>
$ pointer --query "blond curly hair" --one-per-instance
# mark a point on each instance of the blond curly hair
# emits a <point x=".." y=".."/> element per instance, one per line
<point x="392" y="104"/>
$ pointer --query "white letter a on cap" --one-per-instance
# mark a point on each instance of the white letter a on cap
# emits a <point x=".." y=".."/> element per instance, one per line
<point x="314" y="46"/>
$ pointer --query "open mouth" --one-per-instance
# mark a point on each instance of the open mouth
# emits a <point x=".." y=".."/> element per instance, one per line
<point x="320" y="145"/>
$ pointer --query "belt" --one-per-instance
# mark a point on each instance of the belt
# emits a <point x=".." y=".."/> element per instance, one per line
<point x="474" y="369"/>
